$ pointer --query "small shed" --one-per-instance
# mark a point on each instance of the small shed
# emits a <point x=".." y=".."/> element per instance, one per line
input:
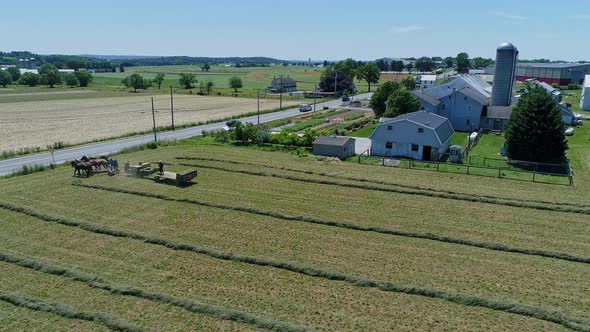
<point x="341" y="147"/>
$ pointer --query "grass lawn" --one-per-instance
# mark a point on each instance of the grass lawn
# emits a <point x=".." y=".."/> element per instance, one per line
<point x="239" y="206"/>
<point x="488" y="146"/>
<point x="364" y="132"/>
<point x="460" y="138"/>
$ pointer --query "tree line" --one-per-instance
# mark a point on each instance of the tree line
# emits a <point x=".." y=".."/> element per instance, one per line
<point x="48" y="75"/>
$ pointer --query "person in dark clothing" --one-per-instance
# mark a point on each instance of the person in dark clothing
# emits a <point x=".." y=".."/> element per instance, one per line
<point x="161" y="166"/>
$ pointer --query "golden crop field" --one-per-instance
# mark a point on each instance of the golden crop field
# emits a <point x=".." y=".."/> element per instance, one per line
<point x="273" y="241"/>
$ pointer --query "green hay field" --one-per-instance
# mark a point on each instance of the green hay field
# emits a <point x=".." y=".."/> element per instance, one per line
<point x="274" y="241"/>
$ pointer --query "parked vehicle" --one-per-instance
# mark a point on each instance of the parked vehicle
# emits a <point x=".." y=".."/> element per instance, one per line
<point x="569" y="131"/>
<point x="346" y="98"/>
<point x="304" y="108"/>
<point x="231" y="123"/>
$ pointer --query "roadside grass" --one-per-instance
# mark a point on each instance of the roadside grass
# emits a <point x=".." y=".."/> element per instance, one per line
<point x="364" y="132"/>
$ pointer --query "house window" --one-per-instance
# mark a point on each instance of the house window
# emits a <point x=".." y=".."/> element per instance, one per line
<point x="415" y="147"/>
<point x="443" y="107"/>
<point x="468" y="108"/>
<point x="420" y="130"/>
<point x="465" y="98"/>
<point x="450" y="97"/>
<point x="467" y="122"/>
<point x="389" y="127"/>
<point x="388" y="145"/>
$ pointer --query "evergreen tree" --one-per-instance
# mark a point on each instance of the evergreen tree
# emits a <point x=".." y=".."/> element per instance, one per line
<point x="535" y="131"/>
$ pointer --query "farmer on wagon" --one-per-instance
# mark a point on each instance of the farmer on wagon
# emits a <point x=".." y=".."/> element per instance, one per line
<point x="161" y="166"/>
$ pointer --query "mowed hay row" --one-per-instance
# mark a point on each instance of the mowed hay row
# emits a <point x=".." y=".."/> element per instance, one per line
<point x="463" y="183"/>
<point x="322" y="304"/>
<point x="22" y="319"/>
<point x="452" y="274"/>
<point x="386" y="184"/>
<point x="31" y="124"/>
<point x="352" y="183"/>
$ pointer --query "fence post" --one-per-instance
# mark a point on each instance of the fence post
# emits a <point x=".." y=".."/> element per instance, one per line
<point x="534" y="176"/>
<point x="383" y="161"/>
<point x="484" y="160"/>
<point x="467" y="169"/>
<point x="499" y="173"/>
<point x="437" y="164"/>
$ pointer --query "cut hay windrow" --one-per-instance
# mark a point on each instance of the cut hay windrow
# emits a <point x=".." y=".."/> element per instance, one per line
<point x="94" y="281"/>
<point x="360" y="281"/>
<point x="341" y="224"/>
<point x="66" y="311"/>
<point x="474" y="199"/>
<point x="387" y="183"/>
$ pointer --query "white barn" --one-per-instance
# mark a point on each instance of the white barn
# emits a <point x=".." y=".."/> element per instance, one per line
<point x="419" y="135"/>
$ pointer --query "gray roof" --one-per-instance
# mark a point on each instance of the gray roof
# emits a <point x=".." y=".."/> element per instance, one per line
<point x="441" y="125"/>
<point x="473" y="94"/>
<point x="334" y="141"/>
<point x="499" y="112"/>
<point x="551" y="65"/>
<point x="421" y="95"/>
<point x="506" y="47"/>
<point x="287" y="81"/>
<point x="464" y="80"/>
<point x="565" y="110"/>
<point x="549" y="88"/>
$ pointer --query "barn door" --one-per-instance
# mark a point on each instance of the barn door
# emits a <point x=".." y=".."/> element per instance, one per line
<point x="426" y="150"/>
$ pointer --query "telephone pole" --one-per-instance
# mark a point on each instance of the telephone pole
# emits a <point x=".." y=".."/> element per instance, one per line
<point x="281" y="95"/>
<point x="172" y="108"/>
<point x="258" y="103"/>
<point x="315" y="96"/>
<point x="335" y="83"/>
<point x="154" y="120"/>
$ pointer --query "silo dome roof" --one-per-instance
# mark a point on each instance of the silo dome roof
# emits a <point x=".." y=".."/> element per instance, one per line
<point x="506" y="47"/>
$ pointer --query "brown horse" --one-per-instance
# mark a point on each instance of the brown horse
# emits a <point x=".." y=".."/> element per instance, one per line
<point x="98" y="163"/>
<point x="81" y="166"/>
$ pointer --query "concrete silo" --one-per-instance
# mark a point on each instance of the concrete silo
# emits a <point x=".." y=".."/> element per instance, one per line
<point x="506" y="57"/>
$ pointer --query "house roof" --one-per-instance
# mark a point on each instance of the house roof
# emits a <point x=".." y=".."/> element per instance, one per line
<point x="499" y="112"/>
<point x="441" y="125"/>
<point x="421" y="95"/>
<point x="287" y="81"/>
<point x="428" y="77"/>
<point x="473" y="94"/>
<point x="334" y="141"/>
<point x="463" y="81"/>
<point x="565" y="110"/>
<point x="550" y="65"/>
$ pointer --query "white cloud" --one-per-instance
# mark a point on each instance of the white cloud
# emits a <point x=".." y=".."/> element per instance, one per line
<point x="406" y="28"/>
<point x="580" y="16"/>
<point x="511" y="17"/>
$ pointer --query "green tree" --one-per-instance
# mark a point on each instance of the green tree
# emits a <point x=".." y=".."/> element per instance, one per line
<point x="30" y="79"/>
<point x="187" y="80"/>
<point x="136" y="81"/>
<point x="397" y="66"/>
<point x="382" y="65"/>
<point x="84" y="77"/>
<point x="235" y="83"/>
<point x="425" y="64"/>
<point x="409" y="67"/>
<point x="205" y="67"/>
<point x="121" y="68"/>
<point x="50" y="75"/>
<point x="480" y="62"/>
<point x="401" y="101"/>
<point x="343" y="82"/>
<point x="5" y="78"/>
<point x="535" y="131"/>
<point x="381" y="95"/>
<point x="449" y="62"/>
<point x="309" y="135"/>
<point x="14" y="72"/>
<point x="209" y="86"/>
<point x="75" y="64"/>
<point x="463" y="62"/>
<point x="370" y="73"/>
<point x="409" y="82"/>
<point x="71" y="80"/>
<point x="347" y="66"/>
<point x="158" y="80"/>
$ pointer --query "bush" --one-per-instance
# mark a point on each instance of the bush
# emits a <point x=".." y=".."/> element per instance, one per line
<point x="573" y="86"/>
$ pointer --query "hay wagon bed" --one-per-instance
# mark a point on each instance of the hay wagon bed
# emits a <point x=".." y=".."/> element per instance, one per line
<point x="179" y="178"/>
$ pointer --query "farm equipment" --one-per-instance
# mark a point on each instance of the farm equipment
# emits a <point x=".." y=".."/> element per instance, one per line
<point x="140" y="170"/>
<point x="178" y="178"/>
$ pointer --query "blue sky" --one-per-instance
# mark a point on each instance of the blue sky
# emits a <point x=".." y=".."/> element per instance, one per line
<point x="299" y="29"/>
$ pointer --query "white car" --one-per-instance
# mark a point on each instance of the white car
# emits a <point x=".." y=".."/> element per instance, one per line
<point x="569" y="131"/>
<point x="304" y="108"/>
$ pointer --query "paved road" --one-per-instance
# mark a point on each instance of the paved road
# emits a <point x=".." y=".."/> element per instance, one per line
<point x="8" y="166"/>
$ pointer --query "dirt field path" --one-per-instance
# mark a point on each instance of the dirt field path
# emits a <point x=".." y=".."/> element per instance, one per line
<point x="39" y="123"/>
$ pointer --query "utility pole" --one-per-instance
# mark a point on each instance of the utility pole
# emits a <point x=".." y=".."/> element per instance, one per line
<point x="258" y="104"/>
<point x="335" y="83"/>
<point x="315" y="96"/>
<point x="172" y="108"/>
<point x="281" y="95"/>
<point x="154" y="120"/>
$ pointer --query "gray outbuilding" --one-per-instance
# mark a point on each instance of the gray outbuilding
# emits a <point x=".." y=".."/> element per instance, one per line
<point x="340" y="147"/>
<point x="419" y="135"/>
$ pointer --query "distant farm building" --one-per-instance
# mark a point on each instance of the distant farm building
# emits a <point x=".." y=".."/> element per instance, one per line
<point x="283" y="84"/>
<point x="560" y="73"/>
<point x="418" y="135"/>
<point x="340" y="147"/>
<point x="585" y="97"/>
<point x="426" y="81"/>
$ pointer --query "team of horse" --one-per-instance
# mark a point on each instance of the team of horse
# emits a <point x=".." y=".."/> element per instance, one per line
<point x="88" y="165"/>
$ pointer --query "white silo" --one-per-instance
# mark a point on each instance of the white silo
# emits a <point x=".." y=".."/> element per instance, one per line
<point x="506" y="57"/>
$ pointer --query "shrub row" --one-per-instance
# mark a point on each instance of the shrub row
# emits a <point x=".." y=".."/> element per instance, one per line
<point x="374" y="229"/>
<point x="336" y="176"/>
<point x="94" y="281"/>
<point x="66" y="311"/>
<point x="187" y="304"/>
<point x="459" y="197"/>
